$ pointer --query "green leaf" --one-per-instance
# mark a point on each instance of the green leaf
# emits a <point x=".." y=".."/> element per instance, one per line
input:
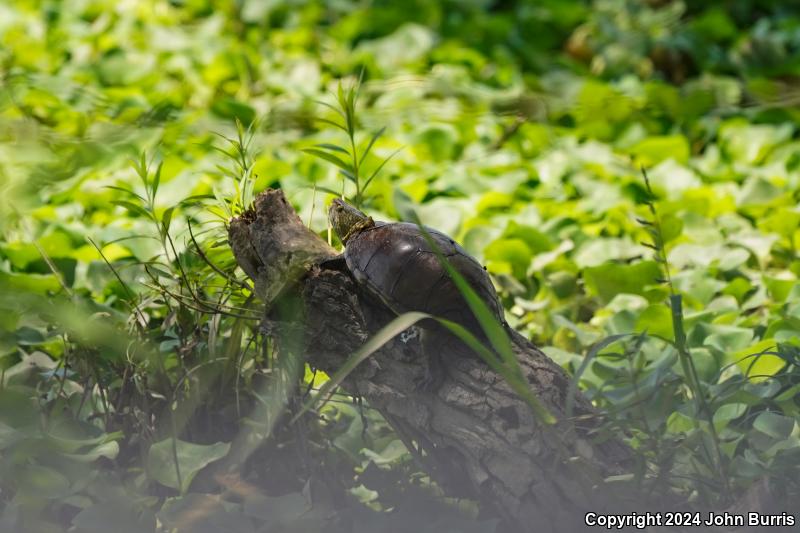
<point x="349" y="176"/>
<point x="380" y="167"/>
<point x="756" y="363"/>
<point x="728" y="412"/>
<point x="329" y="158"/>
<point x="372" y="140"/>
<point x="609" y="279"/>
<point x="729" y="339"/>
<point x="774" y="425"/>
<point x="126" y="191"/>
<point x="29" y="283"/>
<point x="652" y="150"/>
<point x="332" y="148"/>
<point x="331" y="107"/>
<point x="680" y="423"/>
<point x="234" y="109"/>
<point x="656" y="320"/>
<point x="191" y="459"/>
<point x="590" y="355"/>
<point x="671" y="227"/>
<point x="156" y="180"/>
<point x="391" y="454"/>
<point x="750" y="143"/>
<point x="514" y="252"/>
<point x="779" y="289"/>
<point x="166" y="219"/>
<point x="109" y="450"/>
<point x="118" y="514"/>
<point x="537" y="241"/>
<point x="133" y="208"/>
<point x="34" y="481"/>
<point x="331" y="123"/>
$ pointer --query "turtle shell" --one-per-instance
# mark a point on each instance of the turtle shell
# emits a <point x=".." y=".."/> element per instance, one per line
<point x="396" y="264"/>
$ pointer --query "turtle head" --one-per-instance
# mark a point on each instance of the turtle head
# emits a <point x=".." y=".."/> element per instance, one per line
<point x="346" y="220"/>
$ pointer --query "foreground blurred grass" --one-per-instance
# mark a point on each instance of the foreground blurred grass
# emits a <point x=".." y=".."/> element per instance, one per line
<point x="523" y="128"/>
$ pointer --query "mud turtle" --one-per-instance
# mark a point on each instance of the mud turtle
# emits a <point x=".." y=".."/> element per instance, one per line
<point x="395" y="263"/>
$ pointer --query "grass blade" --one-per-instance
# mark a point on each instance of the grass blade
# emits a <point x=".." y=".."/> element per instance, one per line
<point x="593" y="351"/>
<point x="133" y="208"/>
<point x="374" y="138"/>
<point x="507" y="365"/>
<point x="384" y="335"/>
<point x="380" y="167"/>
<point x="331" y="158"/>
<point x="512" y="374"/>
<point x="332" y="148"/>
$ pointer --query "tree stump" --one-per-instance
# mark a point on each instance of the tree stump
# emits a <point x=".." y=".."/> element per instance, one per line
<point x="474" y="435"/>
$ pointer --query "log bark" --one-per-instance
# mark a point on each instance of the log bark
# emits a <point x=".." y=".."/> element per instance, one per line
<point x="474" y="435"/>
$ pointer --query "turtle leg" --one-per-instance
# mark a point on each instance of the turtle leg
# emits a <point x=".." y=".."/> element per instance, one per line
<point x="432" y="343"/>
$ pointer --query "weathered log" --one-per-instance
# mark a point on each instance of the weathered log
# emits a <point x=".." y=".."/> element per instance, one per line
<point x="473" y="434"/>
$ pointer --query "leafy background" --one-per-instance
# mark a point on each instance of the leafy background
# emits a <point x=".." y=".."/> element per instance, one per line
<point x="134" y="375"/>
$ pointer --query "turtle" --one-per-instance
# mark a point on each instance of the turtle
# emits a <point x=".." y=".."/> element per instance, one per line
<point x="396" y="264"/>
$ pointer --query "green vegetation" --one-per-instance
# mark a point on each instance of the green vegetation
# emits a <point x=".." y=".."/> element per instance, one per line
<point x="132" y="366"/>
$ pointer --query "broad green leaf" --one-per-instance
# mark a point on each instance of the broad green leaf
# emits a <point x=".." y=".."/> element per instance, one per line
<point x="56" y="244"/>
<point x="656" y="320"/>
<point x="756" y="364"/>
<point x="774" y="425"/>
<point x="595" y="252"/>
<point x="118" y="514"/>
<point x="438" y="143"/>
<point x="563" y="284"/>
<point x="494" y="200"/>
<point x="779" y="288"/>
<point x="29" y="283"/>
<point x="192" y="458"/>
<point x="610" y="279"/>
<point x="750" y="143"/>
<point x="109" y="450"/>
<point x="729" y="339"/>
<point x="653" y="150"/>
<point x="515" y="252"/>
<point x="232" y="108"/>
<point x="537" y="241"/>
<point x="738" y="288"/>
<point x="34" y="481"/>
<point x="725" y="413"/>
<point x="680" y="423"/>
